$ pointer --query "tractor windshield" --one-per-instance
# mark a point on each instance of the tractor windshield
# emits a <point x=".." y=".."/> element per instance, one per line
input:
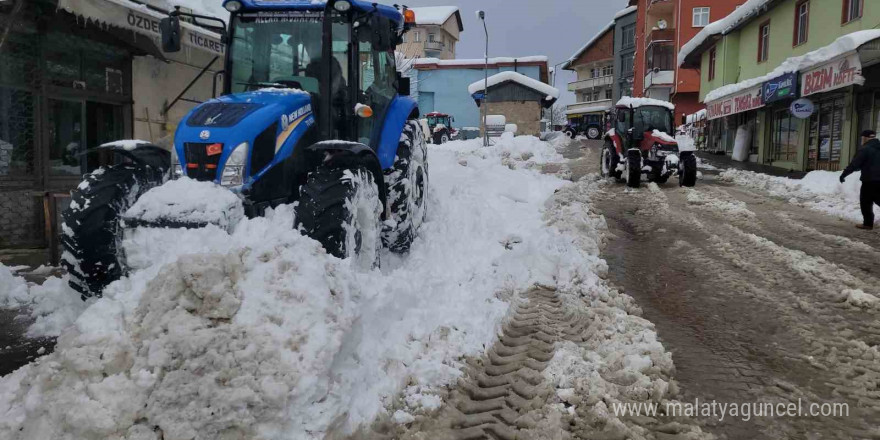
<point x="650" y="118"/>
<point x="434" y="120"/>
<point x="283" y="49"/>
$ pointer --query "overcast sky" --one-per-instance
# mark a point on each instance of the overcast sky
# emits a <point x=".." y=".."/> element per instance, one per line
<point x="555" y="28"/>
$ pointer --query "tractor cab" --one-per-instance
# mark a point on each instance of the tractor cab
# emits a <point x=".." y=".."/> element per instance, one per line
<point x="440" y="127"/>
<point x="642" y="125"/>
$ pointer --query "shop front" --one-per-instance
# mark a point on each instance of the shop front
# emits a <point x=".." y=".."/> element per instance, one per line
<point x="783" y="134"/>
<point x="735" y="115"/>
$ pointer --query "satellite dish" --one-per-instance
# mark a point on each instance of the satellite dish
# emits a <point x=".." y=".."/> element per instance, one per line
<point x="662" y="24"/>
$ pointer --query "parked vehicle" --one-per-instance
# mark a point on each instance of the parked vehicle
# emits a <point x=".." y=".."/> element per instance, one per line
<point x="303" y="119"/>
<point x="591" y="125"/>
<point x="640" y="143"/>
<point x="440" y="126"/>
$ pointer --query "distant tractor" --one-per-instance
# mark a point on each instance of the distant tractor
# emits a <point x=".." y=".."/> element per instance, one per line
<point x="313" y="114"/>
<point x="640" y="143"/>
<point x="440" y="127"/>
<point x="591" y="125"/>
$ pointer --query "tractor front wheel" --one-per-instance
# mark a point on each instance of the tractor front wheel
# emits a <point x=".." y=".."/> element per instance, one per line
<point x="633" y="171"/>
<point x="407" y="183"/>
<point x="341" y="209"/>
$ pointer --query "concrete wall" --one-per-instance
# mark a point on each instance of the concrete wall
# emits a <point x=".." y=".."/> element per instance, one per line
<point x="416" y="49"/>
<point x="525" y="114"/>
<point x="621" y="81"/>
<point x="450" y="91"/>
<point x="156" y="83"/>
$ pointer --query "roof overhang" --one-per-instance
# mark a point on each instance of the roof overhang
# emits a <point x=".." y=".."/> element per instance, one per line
<point x="694" y="59"/>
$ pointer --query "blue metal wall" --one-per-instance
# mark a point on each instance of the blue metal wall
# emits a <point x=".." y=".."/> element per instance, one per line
<point x="450" y="91"/>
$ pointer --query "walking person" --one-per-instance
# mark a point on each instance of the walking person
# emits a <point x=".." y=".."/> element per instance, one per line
<point x="867" y="161"/>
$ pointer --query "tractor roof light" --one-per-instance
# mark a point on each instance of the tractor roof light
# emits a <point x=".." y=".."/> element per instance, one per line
<point x="342" y="6"/>
<point x="409" y="16"/>
<point x="233" y="6"/>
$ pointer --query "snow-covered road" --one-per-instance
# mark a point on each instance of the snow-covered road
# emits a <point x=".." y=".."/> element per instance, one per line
<point x="760" y="298"/>
<point x="259" y="334"/>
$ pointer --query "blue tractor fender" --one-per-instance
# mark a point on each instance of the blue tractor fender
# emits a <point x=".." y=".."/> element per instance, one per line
<point x="350" y="154"/>
<point x="401" y="109"/>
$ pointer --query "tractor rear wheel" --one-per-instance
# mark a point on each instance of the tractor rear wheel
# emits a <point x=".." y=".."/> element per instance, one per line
<point x="633" y="173"/>
<point x="688" y="176"/>
<point x="92" y="231"/>
<point x="407" y="183"/>
<point x="341" y="209"/>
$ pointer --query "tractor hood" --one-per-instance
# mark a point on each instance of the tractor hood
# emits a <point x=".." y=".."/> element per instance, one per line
<point x="269" y="120"/>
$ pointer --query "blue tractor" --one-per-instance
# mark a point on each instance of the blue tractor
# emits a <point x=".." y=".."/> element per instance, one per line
<point x="313" y="112"/>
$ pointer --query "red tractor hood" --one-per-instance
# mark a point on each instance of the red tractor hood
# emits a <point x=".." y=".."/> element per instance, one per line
<point x="656" y="137"/>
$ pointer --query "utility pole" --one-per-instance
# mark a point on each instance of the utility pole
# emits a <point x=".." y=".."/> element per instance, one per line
<point x="552" y="109"/>
<point x="485" y="112"/>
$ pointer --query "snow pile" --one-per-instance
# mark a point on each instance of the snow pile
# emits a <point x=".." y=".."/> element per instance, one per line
<point x="744" y="12"/>
<point x="662" y="135"/>
<point x="842" y="45"/>
<point x="258" y="333"/>
<point x="628" y="101"/>
<point x="515" y="152"/>
<point x="126" y="145"/>
<point x="519" y="78"/>
<point x="53" y="306"/>
<point x="685" y="143"/>
<point x="818" y="190"/>
<point x="190" y="202"/>
<point x="13" y="290"/>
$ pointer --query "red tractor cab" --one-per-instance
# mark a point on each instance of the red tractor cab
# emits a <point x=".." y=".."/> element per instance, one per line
<point x="639" y="144"/>
<point x="440" y="126"/>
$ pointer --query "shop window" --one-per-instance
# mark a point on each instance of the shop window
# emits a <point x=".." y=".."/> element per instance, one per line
<point x="783" y="147"/>
<point x="713" y="54"/>
<point x="825" y="137"/>
<point x="801" y="22"/>
<point x="852" y="10"/>
<point x="701" y="17"/>
<point x="16" y="132"/>
<point x="764" y="42"/>
<point x="66" y="134"/>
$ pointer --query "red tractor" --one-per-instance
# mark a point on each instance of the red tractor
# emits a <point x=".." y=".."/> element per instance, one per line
<point x="639" y="143"/>
<point x="440" y="126"/>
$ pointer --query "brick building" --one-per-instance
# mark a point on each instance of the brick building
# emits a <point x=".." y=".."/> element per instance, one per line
<point x="520" y="99"/>
<point x="662" y="27"/>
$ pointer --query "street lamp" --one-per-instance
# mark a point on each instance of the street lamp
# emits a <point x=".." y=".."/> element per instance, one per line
<point x="485" y="112"/>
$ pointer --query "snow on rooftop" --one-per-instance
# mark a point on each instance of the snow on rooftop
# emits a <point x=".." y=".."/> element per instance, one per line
<point x="213" y="8"/>
<point x="625" y="11"/>
<point x="628" y="101"/>
<point x="437" y="15"/>
<point x="550" y="91"/>
<point x="746" y="11"/>
<point x="842" y="45"/>
<point x="481" y="61"/>
<point x="590" y="43"/>
<point x="595" y="108"/>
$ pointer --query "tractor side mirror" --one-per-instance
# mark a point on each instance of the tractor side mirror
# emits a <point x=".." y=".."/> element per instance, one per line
<point x="403" y="85"/>
<point x="170" y="28"/>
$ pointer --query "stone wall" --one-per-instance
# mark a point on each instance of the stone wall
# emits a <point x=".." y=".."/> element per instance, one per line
<point x="526" y="115"/>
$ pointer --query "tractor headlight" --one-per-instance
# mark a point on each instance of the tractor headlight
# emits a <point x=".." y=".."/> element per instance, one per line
<point x="233" y="6"/>
<point x="233" y="171"/>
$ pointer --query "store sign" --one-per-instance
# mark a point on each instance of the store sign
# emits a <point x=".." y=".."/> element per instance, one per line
<point x="842" y="72"/>
<point x="802" y="108"/>
<point x="741" y="102"/>
<point x="780" y="88"/>
<point x="142" y="21"/>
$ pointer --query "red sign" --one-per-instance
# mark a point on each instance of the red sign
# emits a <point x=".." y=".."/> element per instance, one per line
<point x="841" y="72"/>
<point x="731" y="105"/>
<point x="215" y="149"/>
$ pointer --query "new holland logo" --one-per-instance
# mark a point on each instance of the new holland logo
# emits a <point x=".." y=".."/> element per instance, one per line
<point x="205" y="134"/>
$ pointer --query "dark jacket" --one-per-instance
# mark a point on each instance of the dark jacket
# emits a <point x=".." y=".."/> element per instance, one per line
<point x="867" y="161"/>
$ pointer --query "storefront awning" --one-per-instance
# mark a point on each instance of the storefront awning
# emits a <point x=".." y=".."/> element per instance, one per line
<point x="750" y="99"/>
<point x="138" y="18"/>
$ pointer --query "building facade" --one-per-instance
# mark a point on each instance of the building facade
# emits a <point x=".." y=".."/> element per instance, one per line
<point x="594" y="66"/>
<point x="662" y="28"/>
<point x="436" y="32"/>
<point x="799" y="78"/>
<point x="624" y="53"/>
<point x="75" y="74"/>
<point x="520" y="99"/>
<point x="442" y="85"/>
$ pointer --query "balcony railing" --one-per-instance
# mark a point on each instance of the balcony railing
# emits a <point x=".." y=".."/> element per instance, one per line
<point x="588" y="107"/>
<point x="660" y="56"/>
<point x="591" y="83"/>
<point x="660" y="36"/>
<point x="434" y="45"/>
<point x="659" y="78"/>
